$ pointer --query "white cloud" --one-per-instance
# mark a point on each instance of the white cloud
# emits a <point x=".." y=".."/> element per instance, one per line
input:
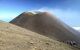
<point x="66" y="13"/>
<point x="70" y="17"/>
<point x="61" y="12"/>
<point x="76" y="28"/>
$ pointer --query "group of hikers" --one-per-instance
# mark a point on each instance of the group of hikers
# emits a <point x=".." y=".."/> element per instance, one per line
<point x="72" y="43"/>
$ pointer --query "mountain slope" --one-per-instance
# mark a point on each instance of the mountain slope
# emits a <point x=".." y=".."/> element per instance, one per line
<point x="15" y="38"/>
<point x="48" y="25"/>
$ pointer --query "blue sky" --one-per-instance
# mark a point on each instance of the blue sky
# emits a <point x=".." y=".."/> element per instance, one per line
<point x="67" y="10"/>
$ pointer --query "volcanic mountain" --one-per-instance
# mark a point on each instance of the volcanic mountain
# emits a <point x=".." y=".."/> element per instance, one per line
<point x="13" y="37"/>
<point x="48" y="25"/>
